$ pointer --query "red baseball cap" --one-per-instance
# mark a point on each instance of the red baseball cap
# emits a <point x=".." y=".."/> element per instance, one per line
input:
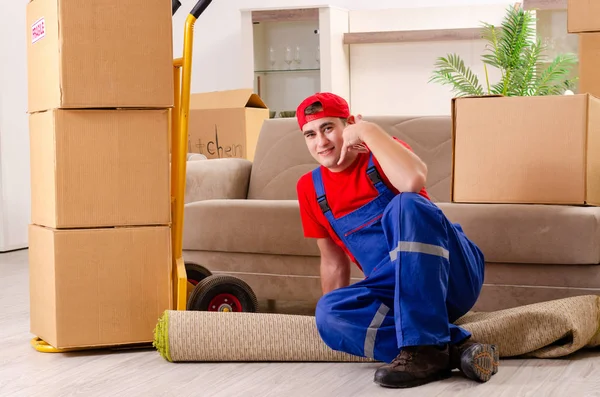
<point x="333" y="106"/>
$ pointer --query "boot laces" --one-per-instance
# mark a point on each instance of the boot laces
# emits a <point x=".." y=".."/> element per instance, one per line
<point x="404" y="358"/>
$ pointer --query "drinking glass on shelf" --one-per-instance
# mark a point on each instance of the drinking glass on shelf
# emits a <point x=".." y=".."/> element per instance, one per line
<point x="297" y="58"/>
<point x="288" y="56"/>
<point x="272" y="56"/>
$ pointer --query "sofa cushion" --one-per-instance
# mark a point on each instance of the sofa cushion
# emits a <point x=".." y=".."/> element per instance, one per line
<point x="430" y="138"/>
<point x="506" y="233"/>
<point x="522" y="233"/>
<point x="226" y="178"/>
<point x="282" y="157"/>
<point x="251" y="226"/>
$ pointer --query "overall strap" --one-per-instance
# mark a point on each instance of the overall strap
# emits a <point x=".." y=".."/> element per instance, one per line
<point x="320" y="190"/>
<point x="375" y="178"/>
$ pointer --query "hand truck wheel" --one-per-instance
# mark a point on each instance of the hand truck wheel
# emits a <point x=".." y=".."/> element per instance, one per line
<point x="222" y="293"/>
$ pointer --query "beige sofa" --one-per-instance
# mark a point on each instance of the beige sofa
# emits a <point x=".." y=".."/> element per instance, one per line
<point x="242" y="219"/>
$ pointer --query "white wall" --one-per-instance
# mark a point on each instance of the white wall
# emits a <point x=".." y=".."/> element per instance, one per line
<point x="218" y="44"/>
<point x="394" y="78"/>
<point x="14" y="135"/>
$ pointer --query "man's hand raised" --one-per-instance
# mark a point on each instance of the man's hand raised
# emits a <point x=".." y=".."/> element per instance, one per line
<point x="352" y="139"/>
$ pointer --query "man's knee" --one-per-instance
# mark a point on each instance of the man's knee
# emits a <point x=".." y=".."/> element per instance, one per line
<point x="407" y="201"/>
<point x="411" y="200"/>
<point x="410" y="203"/>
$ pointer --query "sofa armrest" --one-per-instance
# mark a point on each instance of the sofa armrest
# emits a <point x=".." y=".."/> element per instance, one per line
<point x="217" y="179"/>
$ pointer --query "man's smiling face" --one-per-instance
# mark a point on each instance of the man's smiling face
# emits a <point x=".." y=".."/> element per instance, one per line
<point x="324" y="140"/>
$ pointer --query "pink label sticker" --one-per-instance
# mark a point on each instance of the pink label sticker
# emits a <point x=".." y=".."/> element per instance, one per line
<point x="38" y="30"/>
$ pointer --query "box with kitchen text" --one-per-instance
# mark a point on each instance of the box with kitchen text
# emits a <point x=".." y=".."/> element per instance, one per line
<point x="226" y="124"/>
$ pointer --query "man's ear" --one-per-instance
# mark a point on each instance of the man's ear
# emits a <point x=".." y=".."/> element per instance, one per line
<point x="351" y="120"/>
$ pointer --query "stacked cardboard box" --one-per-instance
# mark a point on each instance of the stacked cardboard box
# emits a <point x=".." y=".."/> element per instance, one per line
<point x="583" y="19"/>
<point x="526" y="150"/>
<point x="100" y="88"/>
<point x="536" y="149"/>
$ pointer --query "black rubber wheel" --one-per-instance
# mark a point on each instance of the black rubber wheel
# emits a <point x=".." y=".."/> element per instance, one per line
<point x="222" y="293"/>
<point x="196" y="273"/>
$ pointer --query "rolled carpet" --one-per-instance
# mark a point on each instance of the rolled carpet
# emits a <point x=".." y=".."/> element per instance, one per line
<point x="544" y="330"/>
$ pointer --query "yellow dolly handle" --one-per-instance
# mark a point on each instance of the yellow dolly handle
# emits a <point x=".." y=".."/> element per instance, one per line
<point x="180" y="120"/>
<point x="180" y="125"/>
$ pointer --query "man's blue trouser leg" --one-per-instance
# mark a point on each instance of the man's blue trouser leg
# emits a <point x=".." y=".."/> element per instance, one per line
<point x="432" y="276"/>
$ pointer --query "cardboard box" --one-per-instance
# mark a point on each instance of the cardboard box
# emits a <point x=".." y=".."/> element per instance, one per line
<point x="99" y="54"/>
<point x="98" y="287"/>
<point x="531" y="150"/>
<point x="589" y="63"/>
<point x="583" y="16"/>
<point x="94" y="168"/>
<point x="226" y="123"/>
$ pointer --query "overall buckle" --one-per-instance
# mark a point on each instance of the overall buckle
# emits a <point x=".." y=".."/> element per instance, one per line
<point x="323" y="204"/>
<point x="374" y="175"/>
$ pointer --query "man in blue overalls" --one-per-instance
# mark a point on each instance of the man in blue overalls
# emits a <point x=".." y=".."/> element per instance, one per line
<point x="367" y="204"/>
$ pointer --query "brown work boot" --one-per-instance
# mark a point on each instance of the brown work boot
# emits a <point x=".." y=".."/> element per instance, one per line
<point x="477" y="361"/>
<point x="415" y="366"/>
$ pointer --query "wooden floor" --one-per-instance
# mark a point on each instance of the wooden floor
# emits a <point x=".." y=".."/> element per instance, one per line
<point x="26" y="372"/>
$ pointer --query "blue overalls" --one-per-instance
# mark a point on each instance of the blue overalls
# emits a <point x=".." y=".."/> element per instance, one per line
<point x="421" y="274"/>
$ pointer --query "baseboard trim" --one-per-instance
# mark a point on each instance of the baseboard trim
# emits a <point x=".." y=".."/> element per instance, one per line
<point x="12" y="248"/>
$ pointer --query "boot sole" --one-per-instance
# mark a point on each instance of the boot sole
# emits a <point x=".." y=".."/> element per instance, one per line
<point x="416" y="382"/>
<point x="480" y="362"/>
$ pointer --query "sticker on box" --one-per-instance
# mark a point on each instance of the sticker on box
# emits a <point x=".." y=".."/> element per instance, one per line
<point x="38" y="30"/>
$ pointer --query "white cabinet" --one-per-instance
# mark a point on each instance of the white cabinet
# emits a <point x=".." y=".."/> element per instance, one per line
<point x="291" y="53"/>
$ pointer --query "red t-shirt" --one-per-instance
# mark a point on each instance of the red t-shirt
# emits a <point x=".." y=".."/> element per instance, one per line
<point x="346" y="191"/>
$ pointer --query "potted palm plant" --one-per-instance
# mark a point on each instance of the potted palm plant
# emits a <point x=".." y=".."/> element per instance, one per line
<point x="514" y="49"/>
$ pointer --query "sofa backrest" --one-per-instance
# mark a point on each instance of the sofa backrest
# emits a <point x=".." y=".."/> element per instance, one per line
<point x="282" y="157"/>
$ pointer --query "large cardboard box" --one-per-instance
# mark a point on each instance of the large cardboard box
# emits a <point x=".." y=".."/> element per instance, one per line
<point x="583" y="16"/>
<point x="589" y="63"/>
<point x="98" y="287"/>
<point x="94" y="168"/>
<point x="532" y="150"/>
<point x="226" y="123"/>
<point x="99" y="53"/>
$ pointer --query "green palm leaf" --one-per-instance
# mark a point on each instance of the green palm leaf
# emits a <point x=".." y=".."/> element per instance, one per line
<point x="514" y="50"/>
<point x="497" y="88"/>
<point x="492" y="35"/>
<point x="518" y="31"/>
<point x="451" y="70"/>
<point x="523" y="77"/>
<point x="552" y="80"/>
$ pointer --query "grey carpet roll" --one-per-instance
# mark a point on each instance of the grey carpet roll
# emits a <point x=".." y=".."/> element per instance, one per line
<point x="544" y="330"/>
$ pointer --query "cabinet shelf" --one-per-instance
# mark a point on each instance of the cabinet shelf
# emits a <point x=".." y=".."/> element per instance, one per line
<point x="272" y="71"/>
<point x="400" y="36"/>
<point x="286" y="15"/>
<point x="545" y="4"/>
